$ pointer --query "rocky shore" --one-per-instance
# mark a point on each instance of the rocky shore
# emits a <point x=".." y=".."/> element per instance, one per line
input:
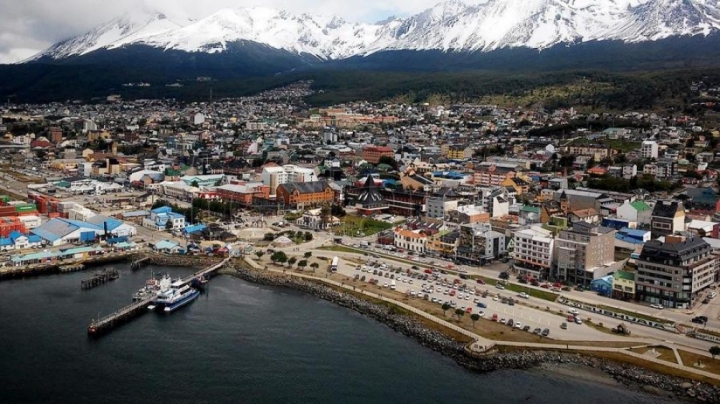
<point x="631" y="376"/>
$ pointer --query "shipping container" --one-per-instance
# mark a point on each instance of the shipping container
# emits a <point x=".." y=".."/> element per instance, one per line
<point x="53" y="215"/>
<point x="25" y="207"/>
<point x="28" y="213"/>
<point x="87" y="236"/>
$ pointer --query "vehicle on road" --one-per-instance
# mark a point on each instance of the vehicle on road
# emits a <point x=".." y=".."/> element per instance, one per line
<point x="700" y="319"/>
<point x="656" y="306"/>
<point x="482" y="305"/>
<point x="573" y="311"/>
<point x="499" y="286"/>
<point x="524" y="295"/>
<point x="563" y="326"/>
<point x="577" y="320"/>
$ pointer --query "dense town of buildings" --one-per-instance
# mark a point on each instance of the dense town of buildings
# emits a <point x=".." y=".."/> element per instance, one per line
<point x="629" y="211"/>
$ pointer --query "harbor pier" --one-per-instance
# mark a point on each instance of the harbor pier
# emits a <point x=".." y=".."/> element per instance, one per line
<point x="106" y="324"/>
<point x="99" y="278"/>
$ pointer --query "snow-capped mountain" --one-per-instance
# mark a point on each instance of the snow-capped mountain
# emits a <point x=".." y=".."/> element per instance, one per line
<point x="450" y="26"/>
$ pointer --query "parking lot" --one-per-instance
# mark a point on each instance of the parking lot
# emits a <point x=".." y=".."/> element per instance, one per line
<point x="469" y="296"/>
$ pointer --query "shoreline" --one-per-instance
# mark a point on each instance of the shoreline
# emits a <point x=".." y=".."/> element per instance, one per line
<point x="595" y="369"/>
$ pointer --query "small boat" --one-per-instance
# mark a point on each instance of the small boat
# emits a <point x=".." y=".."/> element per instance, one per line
<point x="151" y="307"/>
<point x="152" y="288"/>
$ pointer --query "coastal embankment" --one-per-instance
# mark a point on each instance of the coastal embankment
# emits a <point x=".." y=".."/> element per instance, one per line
<point x="629" y="375"/>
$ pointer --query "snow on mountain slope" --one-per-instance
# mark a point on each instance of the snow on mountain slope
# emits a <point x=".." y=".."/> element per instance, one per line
<point x="128" y="28"/>
<point x="320" y="36"/>
<point x="449" y="26"/>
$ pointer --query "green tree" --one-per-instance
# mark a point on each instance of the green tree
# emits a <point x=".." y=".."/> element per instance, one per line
<point x="714" y="351"/>
<point x="389" y="161"/>
<point x="445" y="307"/>
<point x="195" y="184"/>
<point x="302" y="264"/>
<point x="474" y="317"/>
<point x="308" y="236"/>
<point x="269" y="237"/>
<point x="459" y="313"/>
<point x="307" y="254"/>
<point x="314" y="266"/>
<point x="292" y="261"/>
<point x="259" y="253"/>
<point x="279" y="256"/>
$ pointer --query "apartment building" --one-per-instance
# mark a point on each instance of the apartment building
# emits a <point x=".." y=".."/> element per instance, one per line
<point x="672" y="273"/>
<point x="584" y="253"/>
<point x="438" y="207"/>
<point x="372" y="154"/>
<point x="533" y="252"/>
<point x="274" y="176"/>
<point x="479" y="243"/>
<point x="668" y="217"/>
<point x="649" y="149"/>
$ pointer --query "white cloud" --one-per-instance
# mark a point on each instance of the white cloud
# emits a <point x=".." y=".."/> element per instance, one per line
<point x="29" y="26"/>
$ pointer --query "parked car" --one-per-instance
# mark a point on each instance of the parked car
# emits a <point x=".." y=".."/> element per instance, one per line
<point x="482" y="305"/>
<point x="494" y="317"/>
<point x="510" y="322"/>
<point x="563" y="326"/>
<point x="537" y="331"/>
<point x="659" y="306"/>
<point x="577" y="320"/>
<point x="524" y="295"/>
<point x="545" y="332"/>
<point x="526" y="328"/>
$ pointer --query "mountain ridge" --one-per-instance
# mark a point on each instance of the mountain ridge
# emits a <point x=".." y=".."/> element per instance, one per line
<point x="451" y="26"/>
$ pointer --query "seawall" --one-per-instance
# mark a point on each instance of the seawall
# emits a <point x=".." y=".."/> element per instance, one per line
<point x="632" y="376"/>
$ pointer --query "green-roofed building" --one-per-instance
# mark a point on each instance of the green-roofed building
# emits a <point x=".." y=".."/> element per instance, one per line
<point x="623" y="285"/>
<point x="636" y="211"/>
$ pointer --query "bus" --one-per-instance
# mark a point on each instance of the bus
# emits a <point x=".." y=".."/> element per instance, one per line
<point x="334" y="264"/>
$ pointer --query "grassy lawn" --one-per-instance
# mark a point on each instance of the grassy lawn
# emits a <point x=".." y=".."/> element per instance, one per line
<point x="690" y="359"/>
<point x="361" y="226"/>
<point x="633" y="314"/>
<point x="624" y="145"/>
<point x="666" y="354"/>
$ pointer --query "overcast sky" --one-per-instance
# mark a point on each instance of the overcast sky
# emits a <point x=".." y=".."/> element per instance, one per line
<point x="29" y="26"/>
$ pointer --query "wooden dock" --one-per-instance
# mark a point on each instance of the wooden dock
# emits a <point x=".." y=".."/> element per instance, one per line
<point x="105" y="324"/>
<point x="100" y="278"/>
<point x="137" y="264"/>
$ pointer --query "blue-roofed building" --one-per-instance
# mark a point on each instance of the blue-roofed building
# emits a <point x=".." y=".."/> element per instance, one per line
<point x="159" y="218"/>
<point x="17" y="241"/>
<point x="603" y="286"/>
<point x="196" y="228"/>
<point x="59" y="231"/>
<point x="115" y="227"/>
<point x="631" y="238"/>
<point x="167" y="246"/>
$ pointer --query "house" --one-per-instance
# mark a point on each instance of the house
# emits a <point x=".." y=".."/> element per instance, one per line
<point x="589" y="215"/>
<point x="163" y="218"/>
<point x="603" y="286"/>
<point x="113" y="226"/>
<point x="167" y="246"/>
<point x="623" y="285"/>
<point x="369" y="201"/>
<point x="305" y="194"/>
<point x="636" y="211"/>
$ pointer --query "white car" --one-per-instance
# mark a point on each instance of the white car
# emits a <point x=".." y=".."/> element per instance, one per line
<point x="524" y="295"/>
<point x="656" y="306"/>
<point x="495" y="299"/>
<point x="481" y="313"/>
<point x="518" y="325"/>
<point x="573" y="311"/>
<point x="467" y="297"/>
<point x="385" y="285"/>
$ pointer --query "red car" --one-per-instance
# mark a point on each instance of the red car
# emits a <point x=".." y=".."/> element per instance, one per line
<point x="480" y="281"/>
<point x="468" y="310"/>
<point x="545" y="286"/>
<point x="428" y="271"/>
<point x="494" y="317"/>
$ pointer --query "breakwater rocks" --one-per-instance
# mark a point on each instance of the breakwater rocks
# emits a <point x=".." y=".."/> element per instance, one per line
<point x="632" y="376"/>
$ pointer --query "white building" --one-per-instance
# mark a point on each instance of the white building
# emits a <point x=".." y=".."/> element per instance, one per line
<point x="177" y="189"/>
<point x="411" y="240"/>
<point x="533" y="254"/>
<point x="438" y="207"/>
<point x="629" y="171"/>
<point x="649" y="149"/>
<point x="199" y="119"/>
<point x="275" y="176"/>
